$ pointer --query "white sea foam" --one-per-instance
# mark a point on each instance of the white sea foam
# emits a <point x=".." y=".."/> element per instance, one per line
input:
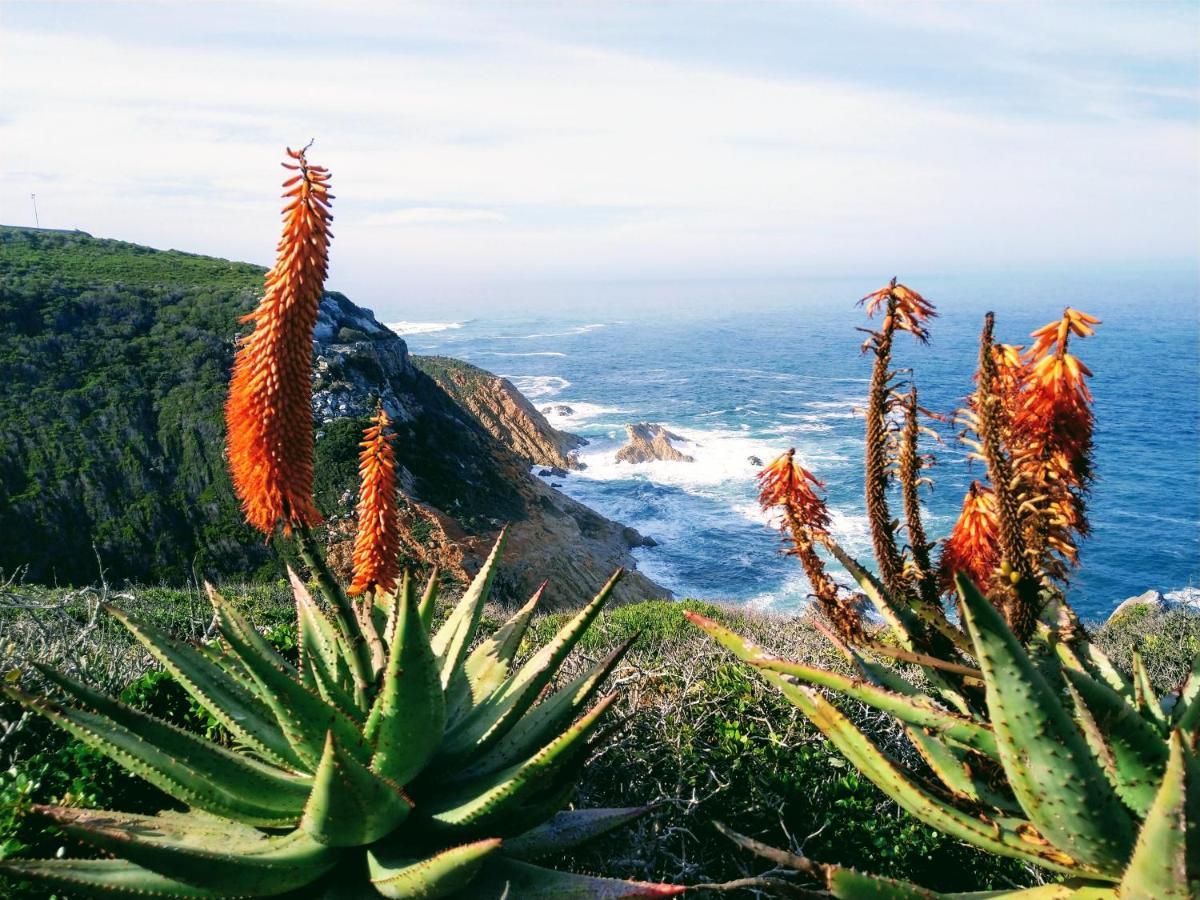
<point x="580" y="329"/>
<point x="531" y="353"/>
<point x="410" y="328"/>
<point x="581" y="414"/>
<point x="538" y="387"/>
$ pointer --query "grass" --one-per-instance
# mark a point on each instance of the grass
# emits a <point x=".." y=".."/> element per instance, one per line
<point x="701" y="736"/>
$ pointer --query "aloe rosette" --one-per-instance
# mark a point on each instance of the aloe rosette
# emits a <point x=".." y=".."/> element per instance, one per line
<point x="443" y="773"/>
<point x="1064" y="763"/>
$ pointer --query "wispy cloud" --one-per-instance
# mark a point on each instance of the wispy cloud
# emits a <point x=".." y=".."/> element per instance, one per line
<point x="516" y="141"/>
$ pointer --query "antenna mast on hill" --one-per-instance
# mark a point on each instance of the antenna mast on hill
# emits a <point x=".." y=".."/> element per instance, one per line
<point x="37" y="223"/>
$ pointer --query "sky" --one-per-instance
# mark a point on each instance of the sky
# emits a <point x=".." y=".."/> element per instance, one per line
<point x="487" y="149"/>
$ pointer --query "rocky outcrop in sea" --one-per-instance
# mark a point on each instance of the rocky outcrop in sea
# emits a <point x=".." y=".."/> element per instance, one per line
<point x="648" y="442"/>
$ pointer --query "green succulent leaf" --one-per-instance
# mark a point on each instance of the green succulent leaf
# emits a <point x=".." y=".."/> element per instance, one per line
<point x="1129" y="747"/>
<point x="350" y="805"/>
<point x="510" y="878"/>
<point x="1144" y="695"/>
<point x="435" y="876"/>
<point x="452" y="640"/>
<point x="408" y="717"/>
<point x="1166" y="860"/>
<point x="105" y="878"/>
<point x="429" y="600"/>
<point x="1049" y="766"/>
<point x="488" y="665"/>
<point x="568" y="829"/>
<point x="223" y="696"/>
<point x="233" y="860"/>
<point x="322" y="665"/>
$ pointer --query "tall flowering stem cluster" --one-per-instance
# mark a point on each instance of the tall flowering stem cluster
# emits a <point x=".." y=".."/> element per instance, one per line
<point x="788" y="486"/>
<point x="903" y="310"/>
<point x="377" y="542"/>
<point x="269" y="411"/>
<point x="910" y="463"/>
<point x="1030" y="420"/>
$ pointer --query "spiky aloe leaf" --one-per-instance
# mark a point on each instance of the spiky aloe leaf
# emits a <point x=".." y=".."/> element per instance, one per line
<point x="236" y="860"/>
<point x="549" y="718"/>
<point x="1166" y="860"/>
<point x="435" y="876"/>
<point x="182" y="765"/>
<point x="452" y="640"/>
<point x="303" y="716"/>
<point x="221" y="695"/>
<point x="568" y="829"/>
<point x="229" y="620"/>
<point x="1189" y="691"/>
<point x="505" y="802"/>
<point x="1144" y="695"/>
<point x="510" y="878"/>
<point x="278" y="794"/>
<point x="429" y="600"/>
<point x="350" y="805"/>
<point x="1087" y="657"/>
<point x="488" y="665"/>
<point x="1051" y="770"/>
<point x="408" y="717"/>
<point x="917" y="711"/>
<point x="487" y="722"/>
<point x="961" y="771"/>
<point x="105" y="878"/>
<point x="1129" y="748"/>
<point x="1005" y="838"/>
<point x="321" y="664"/>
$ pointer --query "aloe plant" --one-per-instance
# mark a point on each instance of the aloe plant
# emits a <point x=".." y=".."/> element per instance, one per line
<point x="444" y="774"/>
<point x="1067" y="764"/>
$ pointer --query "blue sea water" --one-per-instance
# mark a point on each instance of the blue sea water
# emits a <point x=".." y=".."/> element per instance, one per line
<point x="751" y="371"/>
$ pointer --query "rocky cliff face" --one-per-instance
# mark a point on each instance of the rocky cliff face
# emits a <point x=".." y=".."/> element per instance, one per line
<point x="463" y="458"/>
<point x="504" y="411"/>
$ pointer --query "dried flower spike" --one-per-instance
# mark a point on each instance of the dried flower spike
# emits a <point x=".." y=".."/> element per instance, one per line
<point x="377" y="543"/>
<point x="269" y="413"/>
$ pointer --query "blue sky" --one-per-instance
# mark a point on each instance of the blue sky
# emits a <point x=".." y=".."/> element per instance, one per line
<point x="494" y="146"/>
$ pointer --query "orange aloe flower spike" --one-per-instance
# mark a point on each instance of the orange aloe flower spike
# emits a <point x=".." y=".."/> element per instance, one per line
<point x="377" y="543"/>
<point x="268" y="414"/>
<point x="973" y="546"/>
<point x="788" y="484"/>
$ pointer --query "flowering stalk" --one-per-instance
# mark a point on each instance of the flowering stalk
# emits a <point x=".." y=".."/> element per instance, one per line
<point x="973" y="545"/>
<point x="909" y="464"/>
<point x="905" y="310"/>
<point x="269" y="411"/>
<point x="377" y="542"/>
<point x="788" y="485"/>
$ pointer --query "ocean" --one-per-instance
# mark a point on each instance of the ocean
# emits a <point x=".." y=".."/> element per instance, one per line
<point x="747" y="372"/>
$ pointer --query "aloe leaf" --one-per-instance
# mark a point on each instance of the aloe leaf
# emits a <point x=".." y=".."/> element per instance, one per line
<point x="917" y="711"/>
<point x="1144" y="695"/>
<point x="407" y="720"/>
<point x="1129" y="748"/>
<point x="1051" y="770"/>
<point x="230" y="620"/>
<point x="568" y="829"/>
<point x="321" y="664"/>
<point x="1166" y="861"/>
<point x="511" y="800"/>
<point x="451" y="641"/>
<point x="847" y="884"/>
<point x="993" y="835"/>
<point x="428" y="602"/>
<point x="184" y="766"/>
<point x="350" y="805"/>
<point x="488" y="665"/>
<point x="105" y="877"/>
<point x="549" y="718"/>
<point x="491" y="719"/>
<point x="392" y="607"/>
<point x="303" y="716"/>
<point x="510" y="878"/>
<point x="1085" y="656"/>
<point x="435" y="876"/>
<point x="1188" y="693"/>
<point x="221" y="695"/>
<point x="962" y="771"/>
<point x="237" y="861"/>
<point x="278" y="795"/>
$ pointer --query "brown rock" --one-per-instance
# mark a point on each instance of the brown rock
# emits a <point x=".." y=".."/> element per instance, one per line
<point x="649" y="442"/>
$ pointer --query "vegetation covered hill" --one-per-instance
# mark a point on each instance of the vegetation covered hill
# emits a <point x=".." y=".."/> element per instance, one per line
<point x="114" y="361"/>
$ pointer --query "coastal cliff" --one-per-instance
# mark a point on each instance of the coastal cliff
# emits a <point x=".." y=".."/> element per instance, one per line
<point x="504" y="411"/>
<point x="114" y="361"/>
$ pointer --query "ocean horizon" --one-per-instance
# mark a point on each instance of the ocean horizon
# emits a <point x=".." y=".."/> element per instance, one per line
<point x="745" y="380"/>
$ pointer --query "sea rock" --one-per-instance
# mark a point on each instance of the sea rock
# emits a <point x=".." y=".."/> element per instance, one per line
<point x="558" y="409"/>
<point x="754" y="461"/>
<point x="1151" y="598"/>
<point x="635" y="538"/>
<point x="504" y="412"/>
<point x="649" y="442"/>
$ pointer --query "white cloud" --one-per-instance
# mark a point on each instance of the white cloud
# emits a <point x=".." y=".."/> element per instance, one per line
<point x="463" y="147"/>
